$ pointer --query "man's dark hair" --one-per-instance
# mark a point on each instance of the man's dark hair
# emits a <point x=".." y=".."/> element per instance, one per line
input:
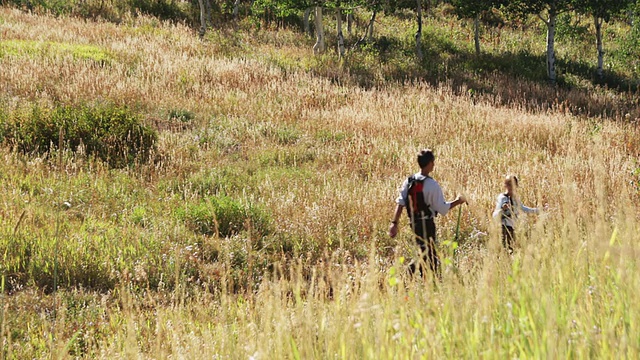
<point x="425" y="157"/>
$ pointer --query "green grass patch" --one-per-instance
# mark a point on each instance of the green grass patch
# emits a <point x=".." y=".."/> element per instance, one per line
<point x="326" y="136"/>
<point x="297" y="156"/>
<point x="225" y="181"/>
<point x="52" y="49"/>
<point x="140" y="216"/>
<point x="225" y="217"/>
<point x="113" y="134"/>
<point x="282" y="135"/>
<point x="181" y="115"/>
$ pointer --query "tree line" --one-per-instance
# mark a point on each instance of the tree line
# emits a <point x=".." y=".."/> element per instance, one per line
<point x="210" y="12"/>
<point x="547" y="11"/>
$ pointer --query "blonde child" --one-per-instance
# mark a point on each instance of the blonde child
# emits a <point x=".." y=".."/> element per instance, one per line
<point x="508" y="208"/>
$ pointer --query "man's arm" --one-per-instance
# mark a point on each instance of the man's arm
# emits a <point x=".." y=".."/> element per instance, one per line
<point x="458" y="201"/>
<point x="400" y="204"/>
<point x="393" y="230"/>
<point x="439" y="204"/>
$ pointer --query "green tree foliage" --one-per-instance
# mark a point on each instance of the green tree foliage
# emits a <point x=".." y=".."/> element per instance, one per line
<point x="473" y="9"/>
<point x="280" y="8"/>
<point x="539" y="7"/>
<point x="547" y="11"/>
<point x="602" y="11"/>
<point x="417" y="6"/>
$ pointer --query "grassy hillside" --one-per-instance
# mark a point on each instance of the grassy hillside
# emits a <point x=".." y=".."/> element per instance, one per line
<point x="256" y="226"/>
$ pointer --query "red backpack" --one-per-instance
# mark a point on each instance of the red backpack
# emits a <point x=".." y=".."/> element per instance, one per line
<point x="417" y="208"/>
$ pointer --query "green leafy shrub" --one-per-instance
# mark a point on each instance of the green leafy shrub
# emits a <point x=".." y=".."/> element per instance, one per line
<point x="567" y="28"/>
<point x="225" y="217"/>
<point x="181" y="115"/>
<point x="628" y="50"/>
<point x="115" y="135"/>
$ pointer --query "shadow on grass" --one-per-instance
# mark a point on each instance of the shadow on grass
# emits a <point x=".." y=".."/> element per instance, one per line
<point x="507" y="79"/>
<point x="165" y="10"/>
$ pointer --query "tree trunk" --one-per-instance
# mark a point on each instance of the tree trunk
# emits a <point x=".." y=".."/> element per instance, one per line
<point x="207" y="5"/>
<point x="319" y="46"/>
<point x="340" y="35"/>
<point x="203" y="18"/>
<point x="476" y="35"/>
<point x="419" y="31"/>
<point x="349" y="23"/>
<point x="370" y="27"/>
<point x="305" y="20"/>
<point x="551" y="44"/>
<point x="236" y="6"/>
<point x="600" y="68"/>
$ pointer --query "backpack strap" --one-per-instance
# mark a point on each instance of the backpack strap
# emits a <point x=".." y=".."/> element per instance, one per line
<point x="417" y="208"/>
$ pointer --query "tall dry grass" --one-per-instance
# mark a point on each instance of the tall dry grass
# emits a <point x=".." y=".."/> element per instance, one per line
<point x="325" y="160"/>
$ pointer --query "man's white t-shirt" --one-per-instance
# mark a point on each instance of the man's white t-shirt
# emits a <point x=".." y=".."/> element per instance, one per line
<point x="433" y="195"/>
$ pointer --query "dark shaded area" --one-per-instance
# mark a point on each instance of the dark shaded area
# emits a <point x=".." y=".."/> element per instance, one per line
<point x="163" y="10"/>
<point x="167" y="10"/>
<point x="510" y="79"/>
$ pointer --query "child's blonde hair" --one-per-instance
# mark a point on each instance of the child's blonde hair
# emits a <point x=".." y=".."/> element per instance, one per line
<point x="511" y="179"/>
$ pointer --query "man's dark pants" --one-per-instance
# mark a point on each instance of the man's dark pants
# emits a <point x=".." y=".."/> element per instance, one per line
<point x="425" y="232"/>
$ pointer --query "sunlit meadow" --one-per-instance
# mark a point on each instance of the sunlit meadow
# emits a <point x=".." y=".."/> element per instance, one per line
<point x="133" y="262"/>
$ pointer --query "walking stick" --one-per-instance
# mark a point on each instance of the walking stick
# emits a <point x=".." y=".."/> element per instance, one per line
<point x="457" y="238"/>
<point x="458" y="226"/>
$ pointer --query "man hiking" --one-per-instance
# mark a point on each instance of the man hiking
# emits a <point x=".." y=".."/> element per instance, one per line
<point x="422" y="196"/>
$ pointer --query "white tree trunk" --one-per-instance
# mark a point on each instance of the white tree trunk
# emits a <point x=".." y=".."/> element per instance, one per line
<point x="305" y="20"/>
<point x="600" y="69"/>
<point x="340" y="35"/>
<point x="209" y="19"/>
<point x="236" y="6"/>
<point x="419" y="30"/>
<point x="551" y="42"/>
<point x="349" y="23"/>
<point x="372" y="21"/>
<point x="203" y="18"/>
<point x="319" y="46"/>
<point x="476" y="35"/>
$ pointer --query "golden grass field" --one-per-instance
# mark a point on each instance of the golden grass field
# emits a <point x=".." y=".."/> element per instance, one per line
<point x="324" y="159"/>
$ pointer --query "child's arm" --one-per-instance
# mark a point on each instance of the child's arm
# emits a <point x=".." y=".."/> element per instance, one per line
<point x="529" y="210"/>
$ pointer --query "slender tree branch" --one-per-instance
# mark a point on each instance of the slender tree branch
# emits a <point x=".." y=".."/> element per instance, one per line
<point x="543" y="19"/>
